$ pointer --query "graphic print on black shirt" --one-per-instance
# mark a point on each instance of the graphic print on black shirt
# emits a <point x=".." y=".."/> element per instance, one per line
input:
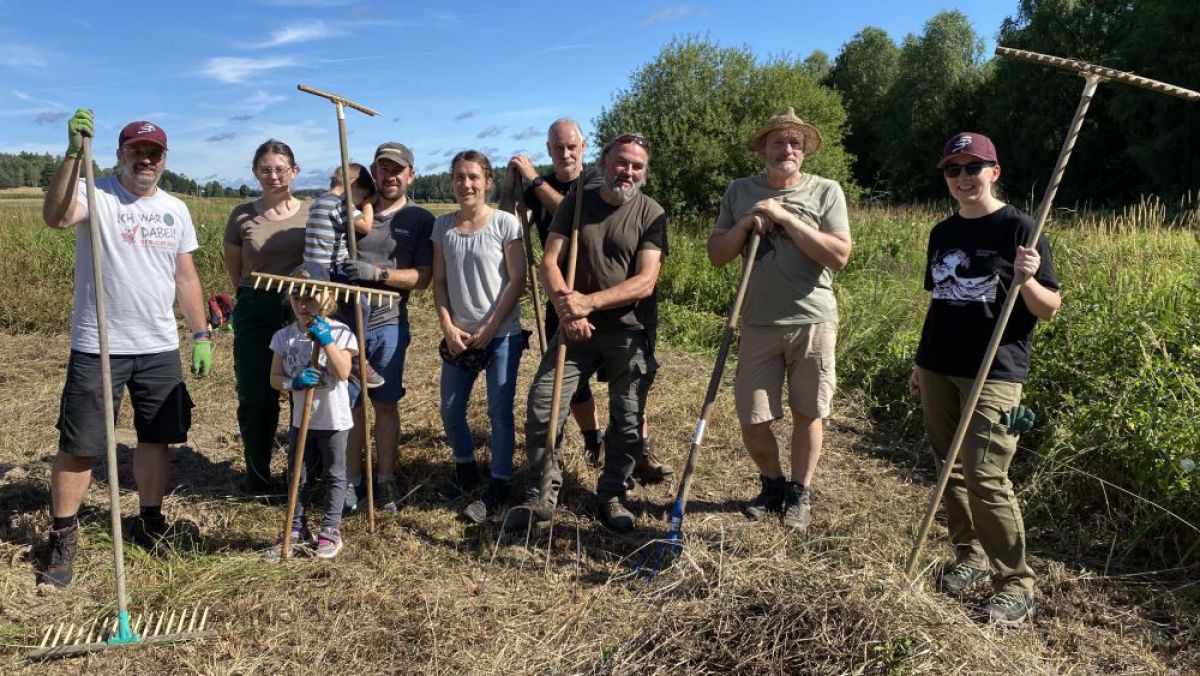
<point x="969" y="270"/>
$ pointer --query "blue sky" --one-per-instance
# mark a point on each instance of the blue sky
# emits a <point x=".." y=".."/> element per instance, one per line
<point x="221" y="77"/>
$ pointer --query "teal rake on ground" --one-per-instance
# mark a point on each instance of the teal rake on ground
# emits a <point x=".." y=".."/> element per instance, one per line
<point x="71" y="639"/>
<point x="662" y="553"/>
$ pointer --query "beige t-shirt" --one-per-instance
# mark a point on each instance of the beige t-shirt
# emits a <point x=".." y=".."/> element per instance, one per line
<point x="788" y="287"/>
<point x="270" y="247"/>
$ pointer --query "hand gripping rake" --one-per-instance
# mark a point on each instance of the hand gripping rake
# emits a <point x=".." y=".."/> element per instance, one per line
<point x="530" y="266"/>
<point x="308" y="287"/>
<point x="341" y="103"/>
<point x="1092" y="75"/>
<point x="71" y="639"/>
<point x="656" y="558"/>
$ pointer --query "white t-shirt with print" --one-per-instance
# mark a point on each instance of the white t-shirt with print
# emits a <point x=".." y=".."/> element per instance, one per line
<point x="331" y="402"/>
<point x="139" y="240"/>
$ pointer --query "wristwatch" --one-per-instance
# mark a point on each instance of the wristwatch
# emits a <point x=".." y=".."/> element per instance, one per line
<point x="202" y="335"/>
<point x="537" y="182"/>
<point x="383" y="275"/>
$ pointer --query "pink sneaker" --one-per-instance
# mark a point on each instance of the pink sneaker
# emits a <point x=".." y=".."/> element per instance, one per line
<point x="329" y="544"/>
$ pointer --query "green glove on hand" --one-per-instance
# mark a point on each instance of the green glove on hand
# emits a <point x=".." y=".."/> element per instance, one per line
<point x="1019" y="420"/>
<point x="201" y="358"/>
<point x="78" y="126"/>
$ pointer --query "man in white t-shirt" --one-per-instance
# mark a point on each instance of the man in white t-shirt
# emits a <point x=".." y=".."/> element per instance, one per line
<point x="146" y="243"/>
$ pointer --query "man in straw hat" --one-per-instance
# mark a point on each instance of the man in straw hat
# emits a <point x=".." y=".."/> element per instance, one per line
<point x="608" y="319"/>
<point x="147" y="240"/>
<point x="789" y="325"/>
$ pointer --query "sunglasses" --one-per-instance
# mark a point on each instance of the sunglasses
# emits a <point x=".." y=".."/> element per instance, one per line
<point x="973" y="168"/>
<point x="637" y="139"/>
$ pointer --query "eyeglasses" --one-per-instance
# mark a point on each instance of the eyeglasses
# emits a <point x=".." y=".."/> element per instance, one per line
<point x="267" y="172"/>
<point x="137" y="153"/>
<point x="973" y="168"/>
<point x="637" y="139"/>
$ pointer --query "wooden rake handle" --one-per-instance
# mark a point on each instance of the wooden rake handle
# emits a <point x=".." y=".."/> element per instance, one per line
<point x="530" y="266"/>
<point x="1077" y="66"/>
<point x="298" y="457"/>
<point x="337" y="98"/>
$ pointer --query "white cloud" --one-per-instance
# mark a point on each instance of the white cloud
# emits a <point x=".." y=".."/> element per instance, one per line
<point x="527" y="132"/>
<point x="301" y="32"/>
<point x="672" y="13"/>
<point x="235" y="69"/>
<point x="490" y="131"/>
<point x="22" y="56"/>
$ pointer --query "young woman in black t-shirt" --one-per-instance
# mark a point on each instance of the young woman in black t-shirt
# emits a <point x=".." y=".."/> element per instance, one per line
<point x="972" y="261"/>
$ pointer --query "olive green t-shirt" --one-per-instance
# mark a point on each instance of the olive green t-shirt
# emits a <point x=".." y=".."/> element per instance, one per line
<point x="610" y="239"/>
<point x="269" y="247"/>
<point x="788" y="287"/>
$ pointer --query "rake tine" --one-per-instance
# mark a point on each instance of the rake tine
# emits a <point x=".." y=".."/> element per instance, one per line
<point x="91" y="631"/>
<point x="161" y="615"/>
<point x="204" y="619"/>
<point x="57" y="634"/>
<point x="257" y="281"/>
<point x="46" y="638"/>
<point x="195" y="612"/>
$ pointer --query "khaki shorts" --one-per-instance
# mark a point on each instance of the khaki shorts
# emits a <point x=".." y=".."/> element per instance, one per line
<point x="805" y="352"/>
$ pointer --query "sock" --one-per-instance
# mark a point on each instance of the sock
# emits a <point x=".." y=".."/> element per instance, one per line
<point x="64" y="522"/>
<point x="153" y="513"/>
<point x="591" y="438"/>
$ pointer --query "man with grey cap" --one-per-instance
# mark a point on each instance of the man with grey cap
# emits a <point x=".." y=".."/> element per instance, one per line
<point x="789" y="325"/>
<point x="395" y="255"/>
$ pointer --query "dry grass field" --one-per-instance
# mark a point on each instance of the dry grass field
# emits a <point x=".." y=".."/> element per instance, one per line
<point x="426" y="594"/>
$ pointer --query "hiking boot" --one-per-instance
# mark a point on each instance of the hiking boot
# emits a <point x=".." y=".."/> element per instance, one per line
<point x="58" y="563"/>
<point x="959" y="577"/>
<point x="1009" y="609"/>
<point x="616" y="516"/>
<point x="531" y="509"/>
<point x="491" y="505"/>
<point x="150" y="534"/>
<point x="796" y="513"/>
<point x="388" y="496"/>
<point x="465" y="480"/>
<point x="649" y="470"/>
<point x="769" y="499"/>
<point x="329" y="544"/>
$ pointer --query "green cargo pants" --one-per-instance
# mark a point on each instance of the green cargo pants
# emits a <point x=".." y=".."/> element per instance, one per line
<point x="256" y="317"/>
<point x="982" y="513"/>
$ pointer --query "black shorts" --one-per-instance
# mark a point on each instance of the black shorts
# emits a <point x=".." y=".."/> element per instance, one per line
<point x="162" y="409"/>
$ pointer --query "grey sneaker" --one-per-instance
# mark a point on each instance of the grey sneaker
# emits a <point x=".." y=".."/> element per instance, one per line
<point x="491" y="504"/>
<point x="616" y="515"/>
<point x="1009" y="609"/>
<point x="959" y="577"/>
<point x="58" y="564"/>
<point x="796" y="512"/>
<point x="769" y="499"/>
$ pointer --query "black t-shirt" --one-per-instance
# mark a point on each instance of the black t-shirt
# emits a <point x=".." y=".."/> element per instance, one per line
<point x="969" y="270"/>
<point x="610" y="239"/>
<point x="541" y="217"/>
<point x="399" y="241"/>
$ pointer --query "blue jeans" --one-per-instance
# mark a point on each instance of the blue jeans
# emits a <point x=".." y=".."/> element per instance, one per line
<point x="386" y="347"/>
<point x="501" y="388"/>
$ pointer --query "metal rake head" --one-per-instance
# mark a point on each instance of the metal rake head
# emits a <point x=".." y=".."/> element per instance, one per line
<point x="657" y="555"/>
<point x="68" y="639"/>
<point x="512" y="518"/>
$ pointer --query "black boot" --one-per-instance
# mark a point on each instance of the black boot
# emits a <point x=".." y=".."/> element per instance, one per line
<point x="492" y="504"/>
<point x="465" y="480"/>
<point x="769" y="499"/>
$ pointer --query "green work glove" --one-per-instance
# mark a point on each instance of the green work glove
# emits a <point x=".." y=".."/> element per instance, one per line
<point x="1019" y="420"/>
<point x="201" y="358"/>
<point x="78" y="126"/>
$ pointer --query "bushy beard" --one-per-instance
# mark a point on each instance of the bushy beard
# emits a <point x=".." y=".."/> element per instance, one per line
<point x="617" y="194"/>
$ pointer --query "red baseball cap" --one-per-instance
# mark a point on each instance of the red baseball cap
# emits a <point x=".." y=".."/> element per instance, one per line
<point x="968" y="143"/>
<point x="143" y="131"/>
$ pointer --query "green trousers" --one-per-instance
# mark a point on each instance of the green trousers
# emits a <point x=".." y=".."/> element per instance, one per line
<point x="257" y="316"/>
<point x="982" y="513"/>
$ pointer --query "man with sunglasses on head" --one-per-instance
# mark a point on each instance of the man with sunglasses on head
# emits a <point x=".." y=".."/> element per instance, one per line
<point x="543" y="194"/>
<point x="608" y="320"/>
<point x="790" y="318"/>
<point x="146" y="243"/>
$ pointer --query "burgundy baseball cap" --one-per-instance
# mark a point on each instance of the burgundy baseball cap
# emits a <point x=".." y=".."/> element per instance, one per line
<point x="968" y="143"/>
<point x="143" y="131"/>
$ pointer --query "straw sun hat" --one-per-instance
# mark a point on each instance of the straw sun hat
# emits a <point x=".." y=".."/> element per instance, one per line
<point x="786" y="119"/>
